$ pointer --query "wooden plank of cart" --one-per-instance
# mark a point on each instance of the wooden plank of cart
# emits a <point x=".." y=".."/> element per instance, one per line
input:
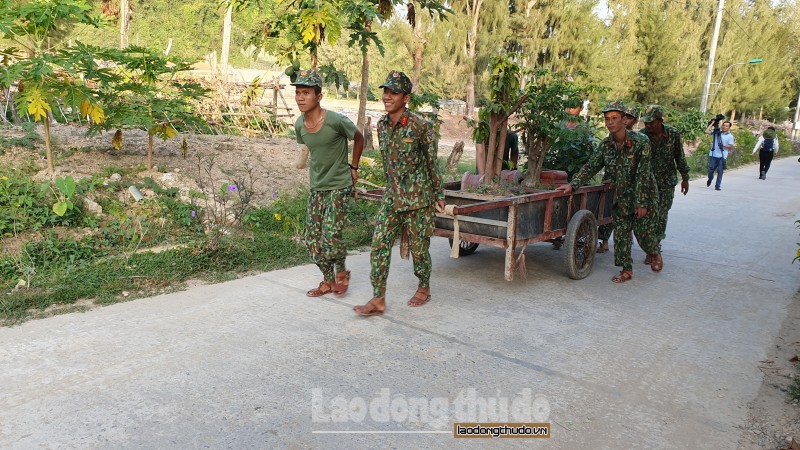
<point x="514" y="222"/>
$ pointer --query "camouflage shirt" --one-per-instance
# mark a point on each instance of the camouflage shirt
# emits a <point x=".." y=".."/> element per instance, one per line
<point x="409" y="155"/>
<point x="666" y="156"/>
<point x="628" y="169"/>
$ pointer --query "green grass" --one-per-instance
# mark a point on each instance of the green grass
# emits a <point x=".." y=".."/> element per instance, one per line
<point x="62" y="271"/>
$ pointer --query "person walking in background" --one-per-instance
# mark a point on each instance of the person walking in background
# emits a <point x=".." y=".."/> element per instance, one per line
<point x="325" y="134"/>
<point x="768" y="143"/>
<point x="722" y="143"/>
<point x="625" y="155"/>
<point x="414" y="192"/>
<point x="666" y="157"/>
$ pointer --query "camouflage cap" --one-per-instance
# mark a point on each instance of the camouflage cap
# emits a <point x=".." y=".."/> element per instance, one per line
<point x="308" y="77"/>
<point x="632" y="111"/>
<point x="653" y="112"/>
<point x="397" y="82"/>
<point x="615" y="105"/>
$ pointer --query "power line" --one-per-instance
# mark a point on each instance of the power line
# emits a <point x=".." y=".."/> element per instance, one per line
<point x="744" y="31"/>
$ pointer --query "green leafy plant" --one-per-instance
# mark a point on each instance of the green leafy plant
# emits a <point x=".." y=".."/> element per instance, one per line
<point x="45" y="72"/>
<point x="66" y="189"/>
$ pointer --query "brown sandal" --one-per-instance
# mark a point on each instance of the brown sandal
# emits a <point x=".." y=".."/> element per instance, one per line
<point x="369" y="309"/>
<point x="648" y="259"/>
<point x="324" y="288"/>
<point x="622" y="277"/>
<point x="420" y="298"/>
<point x="657" y="264"/>
<point x="342" y="283"/>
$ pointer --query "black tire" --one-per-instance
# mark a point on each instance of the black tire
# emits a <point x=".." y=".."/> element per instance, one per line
<point x="580" y="244"/>
<point x="465" y="248"/>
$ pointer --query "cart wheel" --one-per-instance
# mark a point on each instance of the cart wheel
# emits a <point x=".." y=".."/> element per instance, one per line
<point x="465" y="248"/>
<point x="581" y="244"/>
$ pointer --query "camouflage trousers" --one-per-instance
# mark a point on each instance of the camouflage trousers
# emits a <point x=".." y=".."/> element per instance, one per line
<point x="623" y="239"/>
<point x="419" y="226"/>
<point x="326" y="215"/>
<point x="652" y="229"/>
<point x="604" y="231"/>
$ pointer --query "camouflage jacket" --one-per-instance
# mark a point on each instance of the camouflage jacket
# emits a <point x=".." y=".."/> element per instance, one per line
<point x="666" y="156"/>
<point x="628" y="169"/>
<point x="409" y="156"/>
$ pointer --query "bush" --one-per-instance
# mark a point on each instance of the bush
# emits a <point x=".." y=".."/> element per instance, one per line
<point x="690" y="124"/>
<point x="26" y="205"/>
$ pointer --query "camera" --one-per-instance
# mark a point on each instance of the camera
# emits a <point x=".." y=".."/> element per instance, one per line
<point x="715" y="120"/>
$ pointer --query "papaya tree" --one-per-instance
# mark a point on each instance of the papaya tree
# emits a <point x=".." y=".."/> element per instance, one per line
<point x="46" y="72"/>
<point x="150" y="96"/>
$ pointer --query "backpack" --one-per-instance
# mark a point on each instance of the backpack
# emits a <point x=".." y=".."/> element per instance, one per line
<point x="768" y="145"/>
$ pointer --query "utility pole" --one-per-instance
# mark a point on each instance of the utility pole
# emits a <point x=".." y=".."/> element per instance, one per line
<point x="226" y="41"/>
<point x="712" y="53"/>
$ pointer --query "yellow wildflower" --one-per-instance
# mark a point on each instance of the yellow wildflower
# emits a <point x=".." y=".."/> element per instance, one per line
<point x="4" y="178"/>
<point x="277" y="216"/>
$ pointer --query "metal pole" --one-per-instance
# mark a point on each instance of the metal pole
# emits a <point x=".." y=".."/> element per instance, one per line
<point x="711" y="55"/>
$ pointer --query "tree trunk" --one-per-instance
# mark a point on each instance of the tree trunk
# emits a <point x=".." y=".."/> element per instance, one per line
<point x="150" y="151"/>
<point x="226" y="41"/>
<point x="48" y="147"/>
<point x="123" y="23"/>
<point x="469" y="109"/>
<point x="494" y="155"/>
<point x="362" y="95"/>
<point x="367" y="130"/>
<point x="419" y="47"/>
<point x="472" y="45"/>
<point x="537" y="147"/>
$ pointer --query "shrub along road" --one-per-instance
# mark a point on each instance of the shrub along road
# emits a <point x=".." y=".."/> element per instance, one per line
<point x="668" y="360"/>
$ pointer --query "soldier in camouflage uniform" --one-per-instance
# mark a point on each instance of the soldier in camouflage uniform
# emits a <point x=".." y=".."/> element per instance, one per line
<point x="625" y="155"/>
<point x="414" y="192"/>
<point x="326" y="133"/>
<point x="666" y="156"/>
<point x="604" y="231"/>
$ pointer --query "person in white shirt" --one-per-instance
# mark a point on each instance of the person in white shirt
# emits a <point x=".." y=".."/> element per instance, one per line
<point x="722" y="143"/>
<point x="768" y="144"/>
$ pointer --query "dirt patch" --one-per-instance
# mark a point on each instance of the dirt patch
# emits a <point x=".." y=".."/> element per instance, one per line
<point x="773" y="417"/>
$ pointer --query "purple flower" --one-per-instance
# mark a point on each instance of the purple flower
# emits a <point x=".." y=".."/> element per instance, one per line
<point x="274" y="195"/>
<point x="232" y="188"/>
<point x="194" y="214"/>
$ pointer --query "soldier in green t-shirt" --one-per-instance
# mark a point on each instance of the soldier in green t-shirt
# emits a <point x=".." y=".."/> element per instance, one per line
<point x="325" y="134"/>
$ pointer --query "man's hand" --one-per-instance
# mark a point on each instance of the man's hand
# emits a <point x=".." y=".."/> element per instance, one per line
<point x="565" y="188"/>
<point x="641" y="212"/>
<point x="684" y="187"/>
<point x="354" y="175"/>
<point x="440" y="206"/>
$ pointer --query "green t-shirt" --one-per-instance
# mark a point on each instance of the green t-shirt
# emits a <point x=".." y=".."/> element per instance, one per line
<point x="328" y="148"/>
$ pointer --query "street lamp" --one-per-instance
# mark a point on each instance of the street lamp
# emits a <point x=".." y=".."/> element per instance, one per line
<point x="752" y="61"/>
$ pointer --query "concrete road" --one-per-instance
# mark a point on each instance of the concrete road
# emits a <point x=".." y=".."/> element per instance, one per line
<point x="668" y="360"/>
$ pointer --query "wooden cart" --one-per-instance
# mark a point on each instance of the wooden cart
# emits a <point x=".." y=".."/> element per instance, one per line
<point x="568" y="220"/>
